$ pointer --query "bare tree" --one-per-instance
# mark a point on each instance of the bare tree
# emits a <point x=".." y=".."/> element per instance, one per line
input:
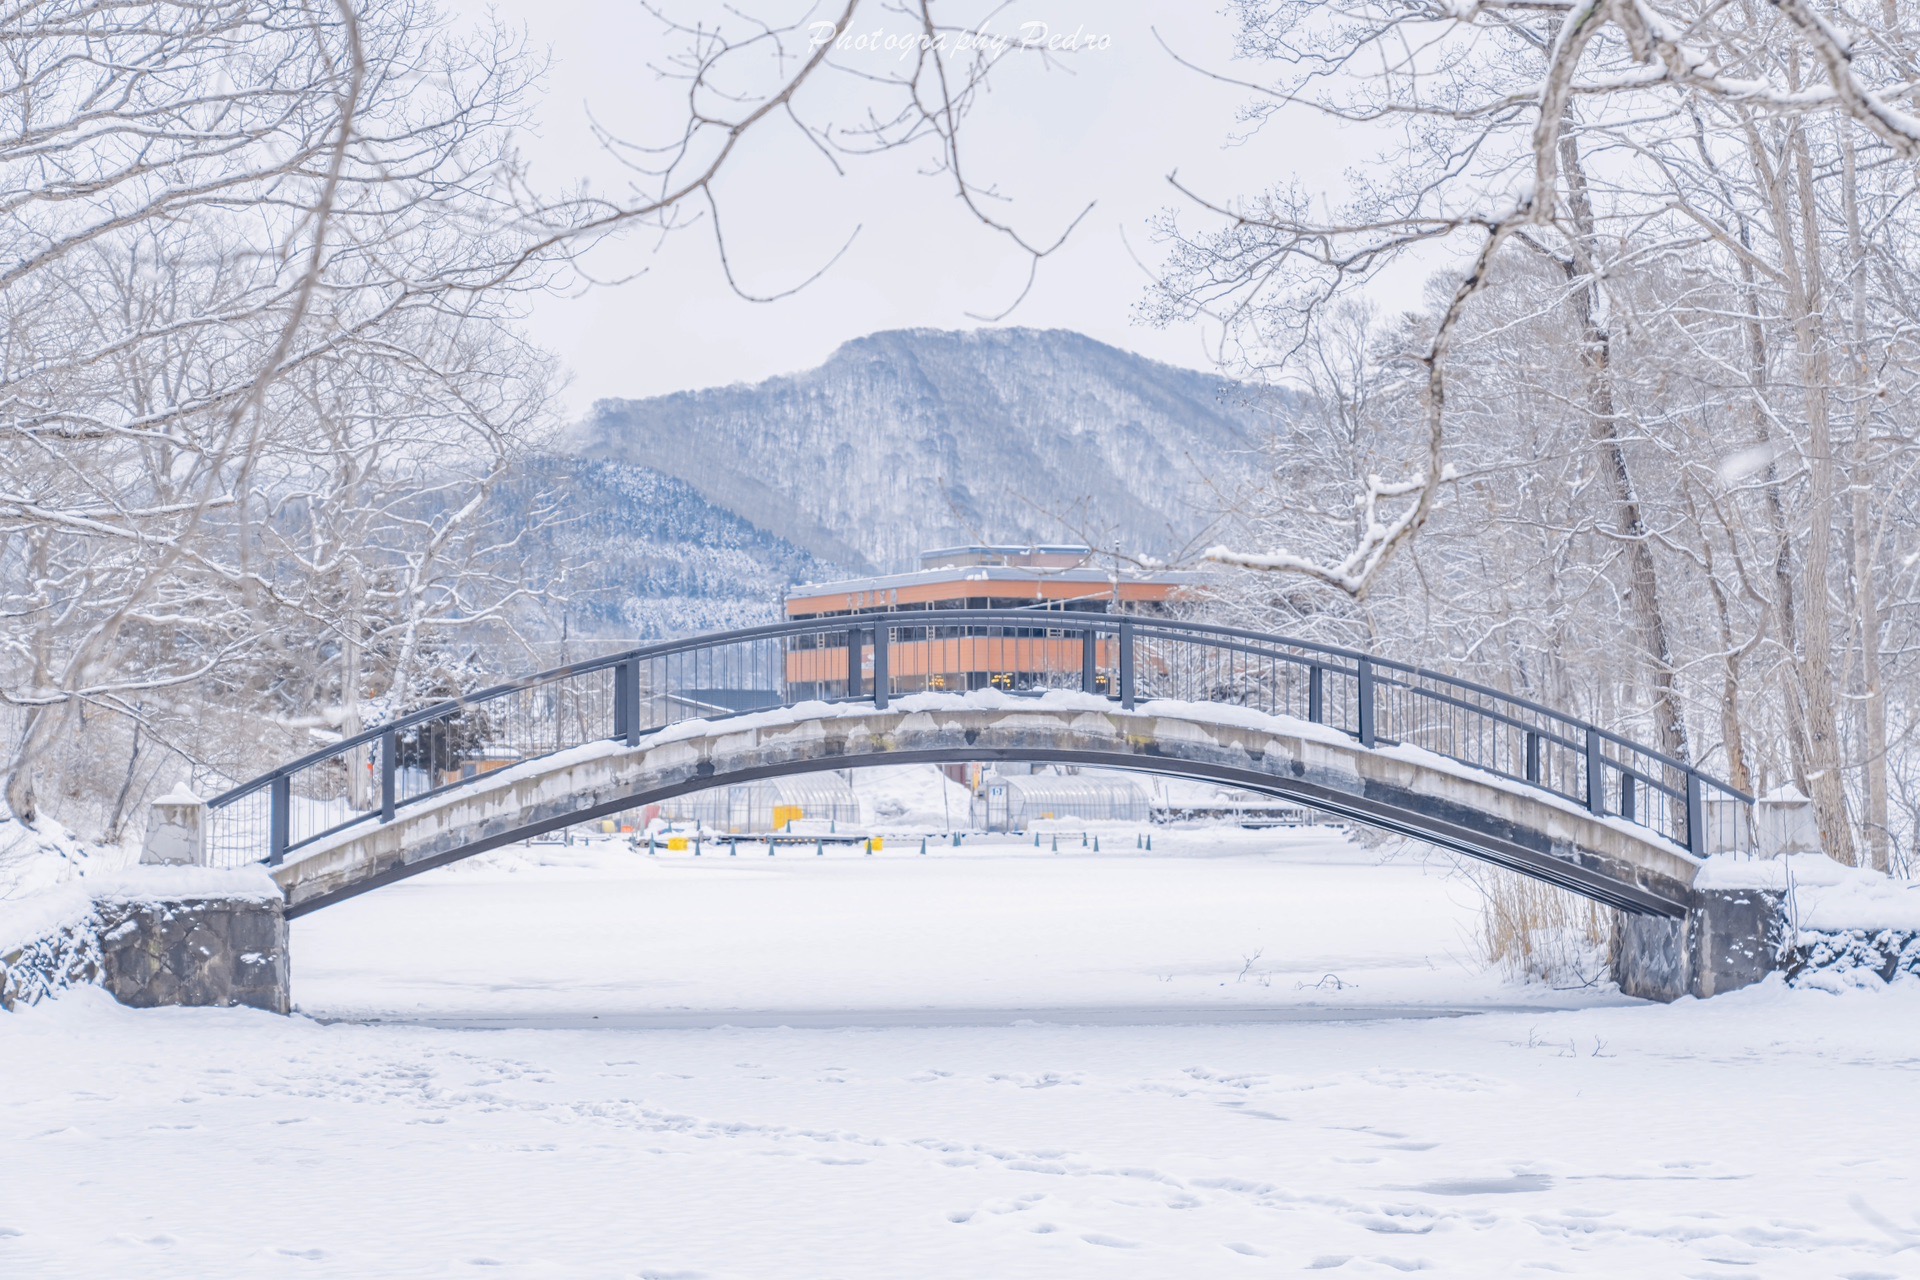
<point x="260" y="376"/>
<point x="1719" y="194"/>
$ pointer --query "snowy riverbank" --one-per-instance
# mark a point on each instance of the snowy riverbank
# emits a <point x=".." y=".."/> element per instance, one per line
<point x="1604" y="1142"/>
<point x="942" y="1108"/>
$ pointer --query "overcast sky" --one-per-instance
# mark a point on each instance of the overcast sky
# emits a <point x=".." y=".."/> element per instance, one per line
<point x="1107" y="129"/>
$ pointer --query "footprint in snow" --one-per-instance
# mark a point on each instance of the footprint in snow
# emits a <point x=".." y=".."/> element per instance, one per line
<point x="1110" y="1242"/>
<point x="1396" y="1220"/>
<point x="1518" y="1183"/>
<point x="1019" y="1204"/>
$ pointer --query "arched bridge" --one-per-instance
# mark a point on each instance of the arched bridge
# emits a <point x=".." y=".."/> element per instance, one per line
<point x="1461" y="765"/>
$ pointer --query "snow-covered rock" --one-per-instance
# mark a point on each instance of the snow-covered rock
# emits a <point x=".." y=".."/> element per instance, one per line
<point x="1822" y="895"/>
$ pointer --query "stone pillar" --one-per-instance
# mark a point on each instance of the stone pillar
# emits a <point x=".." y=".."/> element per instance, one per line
<point x="1729" y="823"/>
<point x="1784" y="822"/>
<point x="1731" y="938"/>
<point x="176" y="830"/>
<point x="195" y="951"/>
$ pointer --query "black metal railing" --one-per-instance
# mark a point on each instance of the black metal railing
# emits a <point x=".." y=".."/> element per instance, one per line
<point x="876" y="658"/>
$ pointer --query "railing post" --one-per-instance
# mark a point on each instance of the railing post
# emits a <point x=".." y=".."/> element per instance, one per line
<point x="1627" y="796"/>
<point x="389" y="765"/>
<point x="279" y="818"/>
<point x="881" y="677"/>
<point x="1364" y="673"/>
<point x="1317" y="694"/>
<point x="1696" y="816"/>
<point x="626" y="701"/>
<point x="1596" y="780"/>
<point x="1533" y="757"/>
<point x="1126" y="666"/>
<point x="856" y="648"/>
<point x="1089" y="662"/>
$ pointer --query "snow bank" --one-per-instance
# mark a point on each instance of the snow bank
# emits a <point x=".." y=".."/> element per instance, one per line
<point x="159" y="884"/>
<point x="49" y="942"/>
<point x="35" y="859"/>
<point x="50" y="906"/>
<point x="912" y="797"/>
<point x="1856" y="958"/>
<point x="1822" y="895"/>
<point x="1735" y="871"/>
<point x="49" y="930"/>
<point x="1850" y="927"/>
<point x="28" y="919"/>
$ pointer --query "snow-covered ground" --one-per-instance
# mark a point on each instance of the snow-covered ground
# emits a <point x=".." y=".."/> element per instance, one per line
<point x="1213" y="918"/>
<point x="1000" y="1063"/>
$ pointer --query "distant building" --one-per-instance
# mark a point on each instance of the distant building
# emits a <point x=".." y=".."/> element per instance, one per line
<point x="1032" y="578"/>
<point x="994" y="577"/>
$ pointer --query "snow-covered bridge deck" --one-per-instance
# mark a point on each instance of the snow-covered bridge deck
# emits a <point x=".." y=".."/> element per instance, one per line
<point x="1465" y="766"/>
<point x="1404" y="789"/>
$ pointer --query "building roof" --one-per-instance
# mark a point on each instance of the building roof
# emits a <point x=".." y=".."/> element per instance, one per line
<point x="999" y="581"/>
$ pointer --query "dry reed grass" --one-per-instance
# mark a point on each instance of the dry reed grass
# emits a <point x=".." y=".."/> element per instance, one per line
<point x="1535" y="932"/>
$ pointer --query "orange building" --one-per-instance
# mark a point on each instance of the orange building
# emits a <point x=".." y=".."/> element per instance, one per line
<point x="1049" y="578"/>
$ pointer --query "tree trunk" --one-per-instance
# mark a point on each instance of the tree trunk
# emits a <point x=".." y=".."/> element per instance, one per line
<point x="1805" y="296"/>
<point x="1872" y="735"/>
<point x="1785" y="614"/>
<point x="1643" y="591"/>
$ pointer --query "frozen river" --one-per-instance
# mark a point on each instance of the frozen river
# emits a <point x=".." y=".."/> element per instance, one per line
<point x="1238" y="1057"/>
<point x="1211" y="922"/>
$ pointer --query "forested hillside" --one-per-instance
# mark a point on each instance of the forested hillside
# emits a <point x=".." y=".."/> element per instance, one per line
<point x="916" y="438"/>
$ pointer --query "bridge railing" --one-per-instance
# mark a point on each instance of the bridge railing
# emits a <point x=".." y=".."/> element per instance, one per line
<point x="369" y="776"/>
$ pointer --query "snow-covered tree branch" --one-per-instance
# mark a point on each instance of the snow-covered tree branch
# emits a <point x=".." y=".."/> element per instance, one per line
<point x="1680" y="238"/>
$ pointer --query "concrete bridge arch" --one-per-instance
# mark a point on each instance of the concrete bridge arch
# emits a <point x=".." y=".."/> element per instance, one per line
<point x="1401" y="789"/>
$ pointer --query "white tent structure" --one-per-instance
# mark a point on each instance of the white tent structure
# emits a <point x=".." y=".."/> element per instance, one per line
<point x="751" y="807"/>
<point x="1012" y="803"/>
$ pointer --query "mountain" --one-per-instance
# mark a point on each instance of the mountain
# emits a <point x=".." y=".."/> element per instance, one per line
<point x="919" y="438"/>
<point x="650" y="557"/>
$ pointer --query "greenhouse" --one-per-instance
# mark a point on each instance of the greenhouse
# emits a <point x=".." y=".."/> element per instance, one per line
<point x="757" y="807"/>
<point x="1012" y="803"/>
